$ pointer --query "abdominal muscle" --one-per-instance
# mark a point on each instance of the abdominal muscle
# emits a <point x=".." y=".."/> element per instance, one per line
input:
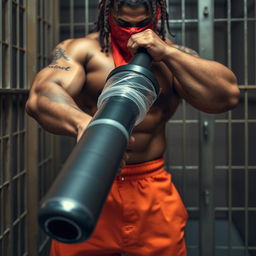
<point x="146" y="147"/>
<point x="149" y="139"/>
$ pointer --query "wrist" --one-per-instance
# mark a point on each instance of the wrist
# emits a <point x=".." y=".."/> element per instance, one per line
<point x="170" y="53"/>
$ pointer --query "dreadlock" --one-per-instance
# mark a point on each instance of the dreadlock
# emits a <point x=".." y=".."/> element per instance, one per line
<point x="106" y="5"/>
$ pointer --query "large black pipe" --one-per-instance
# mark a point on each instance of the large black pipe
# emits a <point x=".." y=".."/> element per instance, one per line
<point x="72" y="206"/>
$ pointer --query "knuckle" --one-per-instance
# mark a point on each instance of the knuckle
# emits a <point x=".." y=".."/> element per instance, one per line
<point x="133" y="36"/>
<point x="150" y="32"/>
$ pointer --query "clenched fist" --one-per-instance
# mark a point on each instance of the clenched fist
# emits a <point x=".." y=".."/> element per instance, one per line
<point x="148" y="39"/>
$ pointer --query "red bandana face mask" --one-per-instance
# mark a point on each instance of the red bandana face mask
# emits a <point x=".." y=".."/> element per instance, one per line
<point x="120" y="37"/>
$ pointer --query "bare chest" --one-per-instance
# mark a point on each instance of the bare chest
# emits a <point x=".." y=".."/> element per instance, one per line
<point x="97" y="71"/>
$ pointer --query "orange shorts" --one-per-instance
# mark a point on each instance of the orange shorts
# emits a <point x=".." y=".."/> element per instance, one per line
<point x="143" y="216"/>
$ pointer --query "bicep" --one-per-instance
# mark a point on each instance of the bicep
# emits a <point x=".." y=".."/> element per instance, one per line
<point x="69" y="75"/>
<point x="51" y="87"/>
<point x="200" y="105"/>
<point x="67" y="68"/>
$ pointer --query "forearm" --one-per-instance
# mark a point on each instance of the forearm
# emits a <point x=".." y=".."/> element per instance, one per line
<point x="56" y="111"/>
<point x="208" y="85"/>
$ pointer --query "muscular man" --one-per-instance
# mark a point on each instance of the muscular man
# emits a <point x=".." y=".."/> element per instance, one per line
<point x="143" y="215"/>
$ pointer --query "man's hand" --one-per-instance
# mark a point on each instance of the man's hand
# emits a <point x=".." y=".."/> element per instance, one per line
<point x="81" y="129"/>
<point x="148" y="39"/>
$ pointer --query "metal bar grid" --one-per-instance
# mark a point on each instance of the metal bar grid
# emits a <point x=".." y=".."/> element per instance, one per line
<point x="1" y="45"/>
<point x="40" y="34"/>
<point x="15" y="45"/>
<point x="18" y="175"/>
<point x="230" y="248"/>
<point x="22" y="44"/>
<point x="14" y="236"/>
<point x="72" y="18"/>
<point x="183" y="118"/>
<point x="183" y="163"/>
<point x="44" y="48"/>
<point x="7" y="236"/>
<point x="79" y="14"/>
<point x="229" y="121"/>
<point x="12" y="134"/>
<point x="229" y="137"/>
<point x="30" y="40"/>
<point x="4" y="44"/>
<point x="9" y="41"/>
<point x="46" y="172"/>
<point x="207" y="133"/>
<point x="86" y="13"/>
<point x="44" y="34"/>
<point x="246" y="124"/>
<point x="4" y="177"/>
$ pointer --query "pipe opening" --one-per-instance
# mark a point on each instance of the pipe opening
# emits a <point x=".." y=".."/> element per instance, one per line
<point x="63" y="229"/>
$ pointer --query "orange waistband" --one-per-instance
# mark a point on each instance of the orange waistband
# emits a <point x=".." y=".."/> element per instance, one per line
<point x="142" y="169"/>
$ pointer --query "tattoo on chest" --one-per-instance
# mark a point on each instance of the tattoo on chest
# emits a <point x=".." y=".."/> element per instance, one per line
<point x="59" y="53"/>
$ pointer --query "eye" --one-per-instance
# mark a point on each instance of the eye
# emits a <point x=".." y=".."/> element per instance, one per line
<point x="123" y="24"/>
<point x="144" y="23"/>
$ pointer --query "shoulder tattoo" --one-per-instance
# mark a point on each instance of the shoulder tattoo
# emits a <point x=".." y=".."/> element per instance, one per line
<point x="59" y="53"/>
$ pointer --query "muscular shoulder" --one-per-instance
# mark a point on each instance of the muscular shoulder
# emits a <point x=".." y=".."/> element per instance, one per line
<point x="78" y="49"/>
<point x="94" y="36"/>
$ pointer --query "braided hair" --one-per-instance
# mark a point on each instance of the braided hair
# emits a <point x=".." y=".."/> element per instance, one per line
<point x="106" y="5"/>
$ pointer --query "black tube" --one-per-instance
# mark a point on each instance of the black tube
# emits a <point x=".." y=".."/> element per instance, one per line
<point x="142" y="58"/>
<point x="70" y="211"/>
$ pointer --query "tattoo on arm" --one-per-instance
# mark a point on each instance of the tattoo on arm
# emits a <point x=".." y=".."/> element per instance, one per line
<point x="187" y="50"/>
<point x="59" y="53"/>
<point x="59" y="67"/>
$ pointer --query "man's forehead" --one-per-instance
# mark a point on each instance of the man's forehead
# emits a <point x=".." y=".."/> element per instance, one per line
<point x="131" y="3"/>
<point x="118" y="4"/>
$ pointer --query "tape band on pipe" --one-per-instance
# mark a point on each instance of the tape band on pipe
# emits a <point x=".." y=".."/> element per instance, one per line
<point x="110" y="122"/>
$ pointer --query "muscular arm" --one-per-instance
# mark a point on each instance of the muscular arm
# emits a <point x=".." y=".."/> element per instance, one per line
<point x="51" y="100"/>
<point x="207" y="85"/>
